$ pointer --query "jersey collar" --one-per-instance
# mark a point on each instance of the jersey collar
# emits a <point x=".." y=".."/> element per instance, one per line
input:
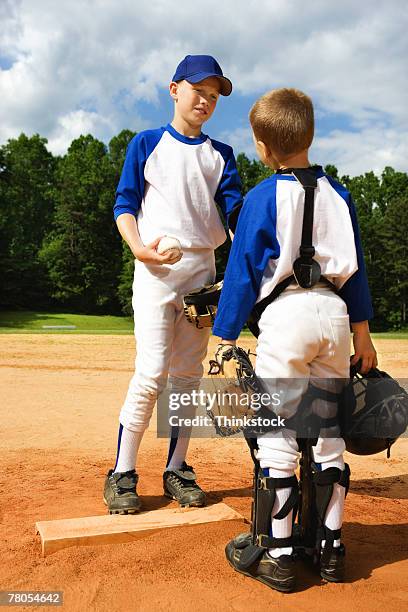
<point x="193" y="141"/>
<point x="289" y="171"/>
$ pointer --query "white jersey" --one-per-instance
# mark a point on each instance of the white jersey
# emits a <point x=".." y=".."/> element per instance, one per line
<point x="172" y="184"/>
<point x="333" y="234"/>
<point x="267" y="241"/>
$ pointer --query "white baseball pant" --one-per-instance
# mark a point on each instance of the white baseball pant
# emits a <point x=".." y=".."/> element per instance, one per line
<point x="168" y="346"/>
<point x="304" y="334"/>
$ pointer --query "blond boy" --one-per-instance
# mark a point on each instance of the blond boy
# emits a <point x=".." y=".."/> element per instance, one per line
<point x="172" y="180"/>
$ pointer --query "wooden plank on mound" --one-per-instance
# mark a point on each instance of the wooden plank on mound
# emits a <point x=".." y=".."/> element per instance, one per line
<point x="110" y="529"/>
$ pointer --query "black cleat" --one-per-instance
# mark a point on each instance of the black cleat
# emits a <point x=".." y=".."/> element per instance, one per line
<point x="332" y="564"/>
<point x="181" y="485"/>
<point x="120" y="493"/>
<point x="278" y="574"/>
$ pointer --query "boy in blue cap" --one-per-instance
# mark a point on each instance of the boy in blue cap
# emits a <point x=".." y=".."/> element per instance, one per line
<point x="172" y="180"/>
<point x="304" y="333"/>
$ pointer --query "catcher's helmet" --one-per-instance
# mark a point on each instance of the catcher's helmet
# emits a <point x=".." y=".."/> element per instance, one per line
<point x="373" y="412"/>
<point x="200" y="305"/>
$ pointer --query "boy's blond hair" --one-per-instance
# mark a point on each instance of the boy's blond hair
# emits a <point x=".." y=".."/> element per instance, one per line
<point x="283" y="119"/>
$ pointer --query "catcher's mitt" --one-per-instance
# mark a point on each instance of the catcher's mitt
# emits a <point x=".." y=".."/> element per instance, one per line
<point x="200" y="305"/>
<point x="234" y="383"/>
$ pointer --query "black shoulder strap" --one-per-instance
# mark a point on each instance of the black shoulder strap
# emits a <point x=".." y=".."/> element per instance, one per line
<point x="307" y="178"/>
<point x="306" y="270"/>
<point x="260" y="306"/>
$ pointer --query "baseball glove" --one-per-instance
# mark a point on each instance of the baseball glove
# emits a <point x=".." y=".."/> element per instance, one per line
<point x="200" y="305"/>
<point x="234" y="384"/>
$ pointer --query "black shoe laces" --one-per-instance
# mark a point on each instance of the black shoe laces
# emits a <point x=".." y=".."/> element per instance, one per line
<point x="178" y="481"/>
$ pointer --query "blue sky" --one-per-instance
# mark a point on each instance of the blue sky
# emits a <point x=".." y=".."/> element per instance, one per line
<point x="98" y="66"/>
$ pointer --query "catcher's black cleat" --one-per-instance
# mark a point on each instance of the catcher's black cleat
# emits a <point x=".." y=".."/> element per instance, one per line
<point x="332" y="564"/>
<point x="120" y="492"/>
<point x="181" y="485"/>
<point x="278" y="574"/>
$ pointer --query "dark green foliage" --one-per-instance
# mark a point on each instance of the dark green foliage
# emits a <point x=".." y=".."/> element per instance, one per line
<point x="126" y="280"/>
<point x="391" y="289"/>
<point x="251" y="172"/>
<point x="26" y="209"/>
<point x="82" y="251"/>
<point x="221" y="256"/>
<point x="117" y="153"/>
<point x="332" y="171"/>
<point x="381" y="204"/>
<point x="117" y="149"/>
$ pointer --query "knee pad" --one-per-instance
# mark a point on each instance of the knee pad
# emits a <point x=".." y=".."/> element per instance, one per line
<point x="280" y="451"/>
<point x="186" y="384"/>
<point x="148" y="387"/>
<point x="324" y="482"/>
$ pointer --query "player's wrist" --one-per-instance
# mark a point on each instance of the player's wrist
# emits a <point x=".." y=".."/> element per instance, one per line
<point x="140" y="253"/>
<point x="360" y="327"/>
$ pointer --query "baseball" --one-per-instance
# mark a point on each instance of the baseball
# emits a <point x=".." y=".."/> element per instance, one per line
<point x="168" y="243"/>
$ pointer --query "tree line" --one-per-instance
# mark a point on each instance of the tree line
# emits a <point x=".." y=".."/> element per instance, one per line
<point x="60" y="249"/>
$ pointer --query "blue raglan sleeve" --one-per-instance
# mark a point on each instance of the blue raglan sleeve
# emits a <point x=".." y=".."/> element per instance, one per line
<point x="355" y="291"/>
<point x="130" y="190"/>
<point x="253" y="245"/>
<point x="229" y="192"/>
<point x="131" y="187"/>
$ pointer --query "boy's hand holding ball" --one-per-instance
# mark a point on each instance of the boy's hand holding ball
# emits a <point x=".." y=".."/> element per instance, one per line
<point x="163" y="250"/>
<point x="169" y="246"/>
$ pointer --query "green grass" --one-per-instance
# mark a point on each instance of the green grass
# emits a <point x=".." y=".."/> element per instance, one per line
<point x="28" y="322"/>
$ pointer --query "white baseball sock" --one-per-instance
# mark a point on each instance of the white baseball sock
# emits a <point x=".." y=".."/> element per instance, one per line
<point x="128" y="446"/>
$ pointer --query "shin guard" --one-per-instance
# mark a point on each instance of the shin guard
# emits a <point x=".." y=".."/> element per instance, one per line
<point x="264" y="495"/>
<point x="324" y="482"/>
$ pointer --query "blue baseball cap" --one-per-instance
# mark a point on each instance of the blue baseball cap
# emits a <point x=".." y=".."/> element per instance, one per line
<point x="196" y="68"/>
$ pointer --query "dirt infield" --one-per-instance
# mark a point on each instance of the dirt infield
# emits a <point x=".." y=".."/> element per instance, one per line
<point x="60" y="402"/>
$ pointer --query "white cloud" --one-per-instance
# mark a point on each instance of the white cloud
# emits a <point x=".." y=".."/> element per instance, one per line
<point x="354" y="153"/>
<point x="77" y="55"/>
<point x="74" y="124"/>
